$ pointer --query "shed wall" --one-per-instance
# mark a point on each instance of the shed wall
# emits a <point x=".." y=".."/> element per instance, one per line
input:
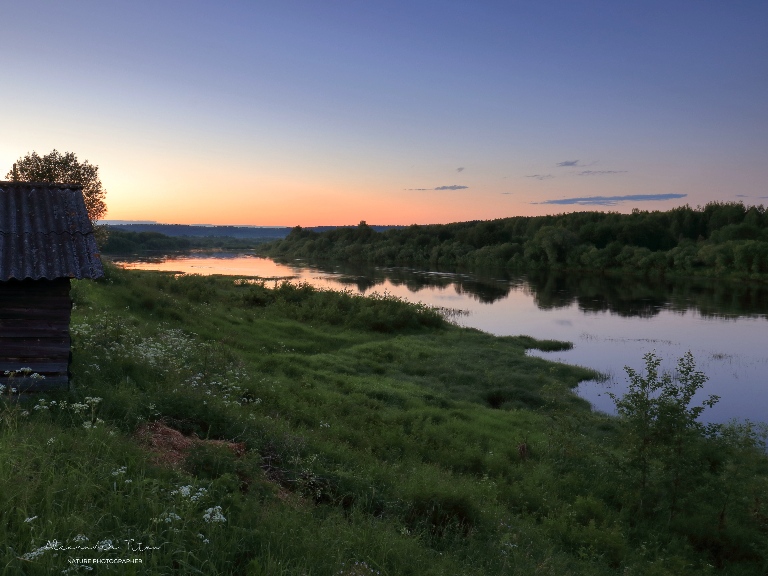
<point x="34" y="333"/>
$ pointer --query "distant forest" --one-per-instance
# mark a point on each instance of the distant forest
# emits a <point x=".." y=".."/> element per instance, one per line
<point x="720" y="238"/>
<point x="120" y="242"/>
<point x="151" y="237"/>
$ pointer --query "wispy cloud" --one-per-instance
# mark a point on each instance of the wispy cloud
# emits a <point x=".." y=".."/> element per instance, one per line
<point x="600" y="172"/>
<point x="506" y="193"/>
<point x="451" y="187"/>
<point x="612" y="200"/>
<point x="568" y="163"/>
<point x="540" y="176"/>
<point x="460" y="169"/>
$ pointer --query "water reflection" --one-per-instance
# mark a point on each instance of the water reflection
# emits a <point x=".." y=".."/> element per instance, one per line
<point x="645" y="298"/>
<point x="486" y="290"/>
<point x="623" y="296"/>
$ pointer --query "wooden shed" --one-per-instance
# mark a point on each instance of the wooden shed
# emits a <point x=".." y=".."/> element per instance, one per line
<point x="46" y="239"/>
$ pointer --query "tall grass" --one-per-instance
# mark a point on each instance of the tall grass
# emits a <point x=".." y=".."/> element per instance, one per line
<point x="333" y="434"/>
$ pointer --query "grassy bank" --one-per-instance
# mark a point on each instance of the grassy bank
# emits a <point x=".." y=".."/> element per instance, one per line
<point x="226" y="427"/>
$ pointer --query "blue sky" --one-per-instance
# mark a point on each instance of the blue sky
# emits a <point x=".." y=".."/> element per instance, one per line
<point x="392" y="112"/>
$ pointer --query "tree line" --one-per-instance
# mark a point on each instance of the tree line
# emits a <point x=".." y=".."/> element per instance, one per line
<point x="719" y="238"/>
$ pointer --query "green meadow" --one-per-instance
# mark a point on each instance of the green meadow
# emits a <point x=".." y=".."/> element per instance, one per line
<point x="227" y="426"/>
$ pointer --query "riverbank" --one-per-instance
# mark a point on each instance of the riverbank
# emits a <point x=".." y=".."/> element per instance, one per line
<point x="231" y="429"/>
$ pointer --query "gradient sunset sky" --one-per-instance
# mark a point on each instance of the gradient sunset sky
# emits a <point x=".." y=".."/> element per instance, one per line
<point x="332" y="112"/>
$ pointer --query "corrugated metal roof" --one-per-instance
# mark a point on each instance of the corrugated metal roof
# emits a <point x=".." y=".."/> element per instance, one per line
<point x="45" y="233"/>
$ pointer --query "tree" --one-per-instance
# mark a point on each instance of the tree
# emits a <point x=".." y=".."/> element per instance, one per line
<point x="64" y="168"/>
<point x="662" y="431"/>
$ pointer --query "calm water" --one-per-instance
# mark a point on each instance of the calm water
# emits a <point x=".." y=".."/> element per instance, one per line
<point x="611" y="323"/>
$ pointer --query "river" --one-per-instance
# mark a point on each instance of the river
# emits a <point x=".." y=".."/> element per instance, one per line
<point x="611" y="322"/>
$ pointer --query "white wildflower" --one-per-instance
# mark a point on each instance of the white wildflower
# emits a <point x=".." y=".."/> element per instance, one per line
<point x="50" y="545"/>
<point x="105" y="545"/>
<point x="183" y="490"/>
<point x="214" y="515"/>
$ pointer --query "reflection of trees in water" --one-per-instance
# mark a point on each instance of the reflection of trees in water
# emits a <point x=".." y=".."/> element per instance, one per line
<point x="483" y="289"/>
<point x="641" y="297"/>
<point x="622" y="295"/>
<point x="598" y="294"/>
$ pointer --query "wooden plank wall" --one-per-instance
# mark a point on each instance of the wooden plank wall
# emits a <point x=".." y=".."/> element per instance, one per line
<point x="34" y="333"/>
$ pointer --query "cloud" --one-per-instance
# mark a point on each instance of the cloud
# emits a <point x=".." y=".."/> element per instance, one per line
<point x="540" y="176"/>
<point x="460" y="169"/>
<point x="451" y="187"/>
<point x="612" y="200"/>
<point x="506" y="192"/>
<point x="600" y="172"/>
<point x="567" y="163"/>
<point x="741" y="196"/>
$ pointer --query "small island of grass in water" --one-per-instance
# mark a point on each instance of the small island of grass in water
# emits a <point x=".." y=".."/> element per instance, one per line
<point x="231" y="428"/>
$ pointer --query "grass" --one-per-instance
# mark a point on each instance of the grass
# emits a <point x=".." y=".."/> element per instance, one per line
<point x="331" y="434"/>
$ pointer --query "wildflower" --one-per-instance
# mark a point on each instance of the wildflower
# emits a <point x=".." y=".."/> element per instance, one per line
<point x="80" y="538"/>
<point x="105" y="545"/>
<point x="186" y="492"/>
<point x="50" y="545"/>
<point x="183" y="490"/>
<point x="204" y="539"/>
<point x="119" y="471"/>
<point x="214" y="515"/>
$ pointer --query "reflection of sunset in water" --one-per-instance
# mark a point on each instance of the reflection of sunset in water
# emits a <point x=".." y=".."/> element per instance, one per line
<point x="729" y="350"/>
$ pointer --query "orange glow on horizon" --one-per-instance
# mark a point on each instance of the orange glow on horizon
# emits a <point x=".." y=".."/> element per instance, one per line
<point x="330" y="209"/>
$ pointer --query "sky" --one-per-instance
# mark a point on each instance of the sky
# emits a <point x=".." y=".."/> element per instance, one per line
<point x="328" y="113"/>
